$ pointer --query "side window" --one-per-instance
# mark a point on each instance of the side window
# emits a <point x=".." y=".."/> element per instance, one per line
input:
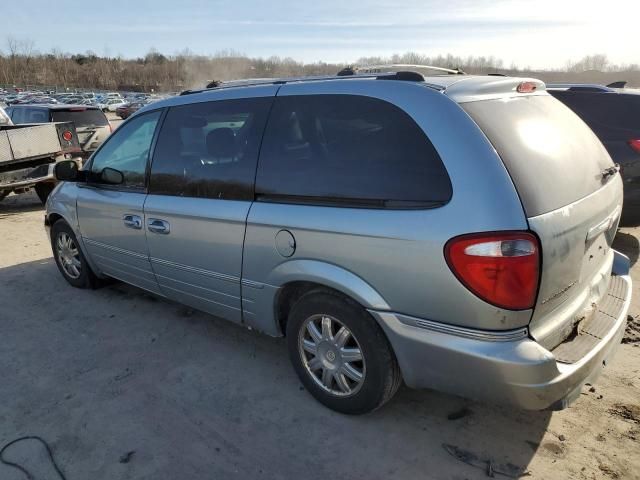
<point x="127" y="150"/>
<point x="210" y="149"/>
<point x="348" y="150"/>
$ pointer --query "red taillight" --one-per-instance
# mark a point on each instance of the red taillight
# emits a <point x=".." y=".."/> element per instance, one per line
<point x="635" y="144"/>
<point x="527" y="87"/>
<point x="67" y="135"/>
<point x="500" y="268"/>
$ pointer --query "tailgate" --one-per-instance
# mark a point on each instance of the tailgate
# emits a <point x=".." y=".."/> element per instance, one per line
<point x="26" y="142"/>
<point x="571" y="194"/>
<point x="576" y="262"/>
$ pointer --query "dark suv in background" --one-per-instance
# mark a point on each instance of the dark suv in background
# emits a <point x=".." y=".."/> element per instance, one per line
<point x="614" y="116"/>
<point x="90" y="122"/>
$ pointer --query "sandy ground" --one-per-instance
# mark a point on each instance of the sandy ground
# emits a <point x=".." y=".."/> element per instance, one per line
<point x="124" y="385"/>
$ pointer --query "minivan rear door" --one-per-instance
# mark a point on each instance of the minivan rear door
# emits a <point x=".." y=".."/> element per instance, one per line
<point x="571" y="193"/>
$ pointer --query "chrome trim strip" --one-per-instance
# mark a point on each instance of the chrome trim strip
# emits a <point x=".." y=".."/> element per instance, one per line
<point x="484" y="335"/>
<point x="200" y="271"/>
<point x="114" y="249"/>
<point x="105" y="260"/>
<point x="129" y="277"/>
<point x="191" y="285"/>
<point x="252" y="284"/>
<point x="182" y="292"/>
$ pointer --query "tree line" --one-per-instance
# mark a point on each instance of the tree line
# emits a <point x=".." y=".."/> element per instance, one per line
<point x="21" y="65"/>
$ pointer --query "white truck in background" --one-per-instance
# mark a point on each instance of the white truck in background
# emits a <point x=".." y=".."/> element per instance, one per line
<point x="28" y="154"/>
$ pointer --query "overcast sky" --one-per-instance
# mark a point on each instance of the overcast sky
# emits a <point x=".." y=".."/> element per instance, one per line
<point x="536" y="33"/>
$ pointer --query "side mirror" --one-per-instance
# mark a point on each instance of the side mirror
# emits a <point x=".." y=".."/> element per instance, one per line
<point x="66" y="171"/>
<point x="111" y="176"/>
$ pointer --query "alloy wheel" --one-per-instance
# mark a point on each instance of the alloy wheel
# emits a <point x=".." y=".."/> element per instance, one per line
<point x="68" y="255"/>
<point x="331" y="355"/>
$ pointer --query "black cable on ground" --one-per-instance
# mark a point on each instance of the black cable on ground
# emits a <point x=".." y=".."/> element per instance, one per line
<point x="20" y="467"/>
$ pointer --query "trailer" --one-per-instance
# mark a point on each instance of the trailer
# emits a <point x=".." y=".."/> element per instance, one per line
<point x="28" y="154"/>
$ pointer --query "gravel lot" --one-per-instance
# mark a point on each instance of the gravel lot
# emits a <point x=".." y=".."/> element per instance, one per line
<point x="101" y="374"/>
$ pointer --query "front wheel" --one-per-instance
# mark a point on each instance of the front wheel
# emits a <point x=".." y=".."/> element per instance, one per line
<point x="69" y="257"/>
<point x="341" y="354"/>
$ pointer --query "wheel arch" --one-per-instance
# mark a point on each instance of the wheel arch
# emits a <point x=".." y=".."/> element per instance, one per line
<point x="62" y="206"/>
<point x="296" y="278"/>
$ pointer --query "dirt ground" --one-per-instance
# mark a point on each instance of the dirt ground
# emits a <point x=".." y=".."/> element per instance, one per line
<point x="125" y="385"/>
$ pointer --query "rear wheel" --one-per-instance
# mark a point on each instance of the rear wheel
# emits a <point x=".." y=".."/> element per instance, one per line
<point x="341" y="354"/>
<point x="43" y="190"/>
<point x="69" y="257"/>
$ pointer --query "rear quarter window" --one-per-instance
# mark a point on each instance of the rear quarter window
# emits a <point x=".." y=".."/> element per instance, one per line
<point x="348" y="150"/>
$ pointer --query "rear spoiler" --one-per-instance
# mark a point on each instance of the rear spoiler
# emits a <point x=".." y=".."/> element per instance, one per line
<point x="472" y="88"/>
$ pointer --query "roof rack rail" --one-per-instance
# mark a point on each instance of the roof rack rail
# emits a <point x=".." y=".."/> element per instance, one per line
<point x="403" y="66"/>
<point x="380" y="72"/>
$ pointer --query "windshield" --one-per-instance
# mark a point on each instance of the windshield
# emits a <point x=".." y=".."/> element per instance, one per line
<point x="81" y="118"/>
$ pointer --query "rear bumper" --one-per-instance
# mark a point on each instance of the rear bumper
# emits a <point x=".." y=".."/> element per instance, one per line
<point x="499" y="366"/>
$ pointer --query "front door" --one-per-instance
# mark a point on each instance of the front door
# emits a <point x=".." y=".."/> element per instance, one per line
<point x="200" y="192"/>
<point x="111" y="217"/>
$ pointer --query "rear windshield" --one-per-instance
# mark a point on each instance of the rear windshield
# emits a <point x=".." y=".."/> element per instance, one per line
<point x="81" y="118"/>
<point x="553" y="158"/>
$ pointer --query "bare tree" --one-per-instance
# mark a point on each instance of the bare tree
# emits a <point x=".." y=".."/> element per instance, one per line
<point x="23" y="65"/>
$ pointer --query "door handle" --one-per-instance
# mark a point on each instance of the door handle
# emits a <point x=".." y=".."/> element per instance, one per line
<point x="132" y="221"/>
<point x="156" y="225"/>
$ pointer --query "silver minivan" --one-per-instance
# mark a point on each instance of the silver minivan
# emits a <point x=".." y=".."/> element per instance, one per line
<point x="453" y="232"/>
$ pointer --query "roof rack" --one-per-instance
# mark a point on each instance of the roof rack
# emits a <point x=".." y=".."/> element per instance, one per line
<point x="397" y="71"/>
<point x="405" y="66"/>
<point x="251" y="82"/>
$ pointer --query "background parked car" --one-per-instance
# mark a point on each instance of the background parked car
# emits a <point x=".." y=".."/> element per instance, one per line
<point x="91" y="124"/>
<point x="614" y="116"/>
<point x="111" y="104"/>
<point x="128" y="109"/>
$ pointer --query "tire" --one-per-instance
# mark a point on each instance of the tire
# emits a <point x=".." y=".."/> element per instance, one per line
<point x="43" y="190"/>
<point x="3" y="194"/>
<point x="65" y="249"/>
<point x="326" y="373"/>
